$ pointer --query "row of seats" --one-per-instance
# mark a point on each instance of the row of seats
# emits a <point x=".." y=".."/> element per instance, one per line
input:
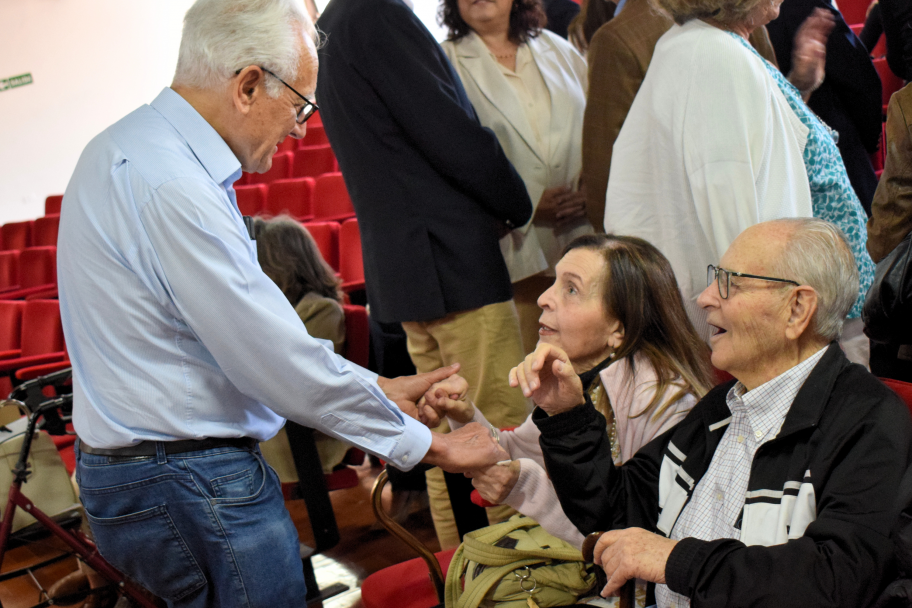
<point x="41" y="232"/>
<point x="324" y="198"/>
<point x="305" y="162"/>
<point x="28" y="274"/>
<point x="340" y="246"/>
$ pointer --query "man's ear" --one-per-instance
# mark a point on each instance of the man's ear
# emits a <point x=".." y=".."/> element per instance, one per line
<point x="245" y="88"/>
<point x="802" y="309"/>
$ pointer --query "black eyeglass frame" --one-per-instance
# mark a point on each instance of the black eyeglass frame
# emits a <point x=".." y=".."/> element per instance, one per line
<point x="307" y="109"/>
<point x="714" y="273"/>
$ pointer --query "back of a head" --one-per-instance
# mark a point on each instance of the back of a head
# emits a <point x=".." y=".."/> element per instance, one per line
<point x="642" y="293"/>
<point x="290" y="257"/>
<point x="223" y="36"/>
<point x="817" y="253"/>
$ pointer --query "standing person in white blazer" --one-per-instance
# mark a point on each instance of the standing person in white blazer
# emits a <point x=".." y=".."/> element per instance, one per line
<point x="529" y="86"/>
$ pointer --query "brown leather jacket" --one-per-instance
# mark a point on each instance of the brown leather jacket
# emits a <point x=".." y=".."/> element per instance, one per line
<point x="891" y="211"/>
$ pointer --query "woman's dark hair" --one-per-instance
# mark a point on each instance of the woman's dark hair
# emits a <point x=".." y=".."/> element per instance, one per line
<point x="527" y="18"/>
<point x="593" y="15"/>
<point x="290" y="257"/>
<point x="641" y="292"/>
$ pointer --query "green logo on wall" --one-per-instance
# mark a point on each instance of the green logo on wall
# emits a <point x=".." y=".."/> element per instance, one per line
<point x="15" y="81"/>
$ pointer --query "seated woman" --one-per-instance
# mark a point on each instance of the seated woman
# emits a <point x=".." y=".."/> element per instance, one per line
<point x="615" y="309"/>
<point x="290" y="257"/>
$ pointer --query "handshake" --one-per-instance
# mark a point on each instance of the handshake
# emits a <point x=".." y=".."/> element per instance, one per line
<point x="430" y="397"/>
<point x="546" y="376"/>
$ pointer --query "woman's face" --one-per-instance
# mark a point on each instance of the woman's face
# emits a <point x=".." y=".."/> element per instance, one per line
<point x="573" y="311"/>
<point x="486" y="15"/>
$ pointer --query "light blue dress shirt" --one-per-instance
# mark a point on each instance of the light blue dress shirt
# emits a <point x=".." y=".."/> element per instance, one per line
<point x="173" y="329"/>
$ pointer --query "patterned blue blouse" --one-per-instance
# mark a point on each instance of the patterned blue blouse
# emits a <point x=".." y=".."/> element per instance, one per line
<point x="832" y="195"/>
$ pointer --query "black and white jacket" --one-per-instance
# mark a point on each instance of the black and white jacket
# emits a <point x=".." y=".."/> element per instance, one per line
<point x="818" y="509"/>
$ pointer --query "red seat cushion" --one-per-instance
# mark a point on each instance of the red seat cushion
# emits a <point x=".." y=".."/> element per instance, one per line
<point x="405" y="585"/>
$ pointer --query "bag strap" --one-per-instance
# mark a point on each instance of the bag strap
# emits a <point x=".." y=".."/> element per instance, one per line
<point x="479" y="546"/>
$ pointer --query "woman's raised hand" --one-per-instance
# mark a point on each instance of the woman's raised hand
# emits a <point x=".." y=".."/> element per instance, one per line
<point x="449" y="398"/>
<point x="548" y="377"/>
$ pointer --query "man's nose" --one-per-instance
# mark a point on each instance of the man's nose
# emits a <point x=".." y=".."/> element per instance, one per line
<point x="299" y="131"/>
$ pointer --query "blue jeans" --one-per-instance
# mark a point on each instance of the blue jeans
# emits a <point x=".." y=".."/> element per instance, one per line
<point x="205" y="528"/>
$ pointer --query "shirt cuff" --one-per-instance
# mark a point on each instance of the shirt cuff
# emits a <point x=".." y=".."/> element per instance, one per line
<point x="412" y="446"/>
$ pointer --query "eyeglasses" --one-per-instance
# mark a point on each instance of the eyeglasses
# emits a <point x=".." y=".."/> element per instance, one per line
<point x="306" y="111"/>
<point x="723" y="277"/>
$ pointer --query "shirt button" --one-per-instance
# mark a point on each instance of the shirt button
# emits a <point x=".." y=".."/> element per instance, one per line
<point x="405" y="458"/>
<point x="740" y="439"/>
<point x="719" y="496"/>
<point x="758" y="434"/>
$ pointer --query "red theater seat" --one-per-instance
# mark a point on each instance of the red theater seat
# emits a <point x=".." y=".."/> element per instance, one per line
<point x="357" y="334"/>
<point x="37" y="273"/>
<point x="280" y="169"/>
<point x="326" y="234"/>
<point x="52" y="204"/>
<point x="251" y="199"/>
<point x="315" y="135"/>
<point x="351" y="262"/>
<point x="903" y="389"/>
<point x="9" y="270"/>
<point x="16" y="235"/>
<point x="44" y="231"/>
<point x="41" y="337"/>
<point x="313" y="161"/>
<point x="890" y="81"/>
<point x="293" y="197"/>
<point x="405" y="585"/>
<point x="331" y="201"/>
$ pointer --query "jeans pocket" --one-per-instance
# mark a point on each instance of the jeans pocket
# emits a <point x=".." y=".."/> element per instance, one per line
<point x="149" y="547"/>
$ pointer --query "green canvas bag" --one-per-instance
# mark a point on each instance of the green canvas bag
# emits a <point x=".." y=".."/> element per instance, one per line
<point x="507" y="564"/>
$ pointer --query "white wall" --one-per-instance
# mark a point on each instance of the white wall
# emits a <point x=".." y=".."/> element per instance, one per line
<point x="92" y="62"/>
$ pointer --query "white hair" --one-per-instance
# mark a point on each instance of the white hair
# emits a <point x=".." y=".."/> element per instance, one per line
<point x="818" y="254"/>
<point x="223" y="36"/>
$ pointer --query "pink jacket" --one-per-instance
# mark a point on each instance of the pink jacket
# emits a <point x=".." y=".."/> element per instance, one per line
<point x="533" y="495"/>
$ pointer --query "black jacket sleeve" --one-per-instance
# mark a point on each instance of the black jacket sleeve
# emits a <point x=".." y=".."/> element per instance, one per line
<point x="594" y="493"/>
<point x="897" y="23"/>
<point x="423" y="93"/>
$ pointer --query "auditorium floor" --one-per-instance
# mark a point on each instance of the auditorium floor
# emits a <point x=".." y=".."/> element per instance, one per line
<point x="364" y="548"/>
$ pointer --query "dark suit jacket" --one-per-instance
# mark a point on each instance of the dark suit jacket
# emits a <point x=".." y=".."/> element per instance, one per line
<point x="560" y="13"/>
<point x="619" y="54"/>
<point x="849" y="100"/>
<point x="432" y="188"/>
<point x="897" y="24"/>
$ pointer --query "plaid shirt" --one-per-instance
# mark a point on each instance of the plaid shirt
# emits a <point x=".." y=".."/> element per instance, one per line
<point x="715" y="507"/>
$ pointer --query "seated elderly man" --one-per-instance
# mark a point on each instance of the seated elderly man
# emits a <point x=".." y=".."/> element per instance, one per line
<point x="778" y="488"/>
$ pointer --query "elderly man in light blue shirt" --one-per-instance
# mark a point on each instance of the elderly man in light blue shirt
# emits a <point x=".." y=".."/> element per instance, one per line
<point x="184" y="353"/>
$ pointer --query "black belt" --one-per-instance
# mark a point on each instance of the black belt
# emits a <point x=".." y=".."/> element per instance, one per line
<point x="150" y="448"/>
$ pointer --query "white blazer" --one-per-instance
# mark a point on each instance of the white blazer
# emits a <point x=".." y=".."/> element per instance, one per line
<point x="528" y="251"/>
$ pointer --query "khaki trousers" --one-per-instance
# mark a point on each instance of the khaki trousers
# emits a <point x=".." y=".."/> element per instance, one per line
<point x="487" y="344"/>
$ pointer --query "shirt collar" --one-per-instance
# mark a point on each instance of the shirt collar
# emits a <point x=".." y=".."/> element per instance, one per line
<point x="767" y="405"/>
<point x="208" y="146"/>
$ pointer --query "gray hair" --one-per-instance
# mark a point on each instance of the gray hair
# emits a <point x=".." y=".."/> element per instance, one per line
<point x="818" y="254"/>
<point x="223" y="36"/>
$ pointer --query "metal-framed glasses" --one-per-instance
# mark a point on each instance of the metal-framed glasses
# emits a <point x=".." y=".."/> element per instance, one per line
<point x="306" y="111"/>
<point x="723" y="278"/>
